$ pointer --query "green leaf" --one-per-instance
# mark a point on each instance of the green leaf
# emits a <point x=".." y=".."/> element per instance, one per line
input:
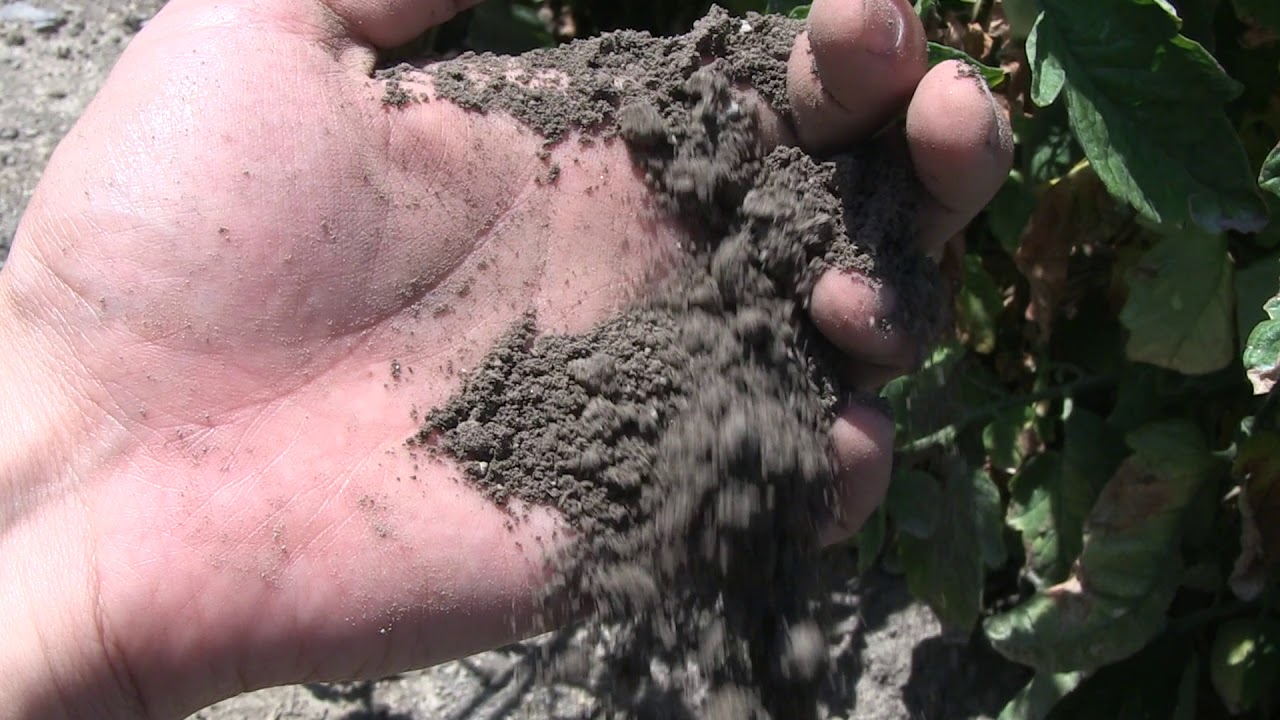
<point x="1269" y="177"/>
<point x="870" y="540"/>
<point x="1245" y="662"/>
<point x="1039" y="696"/>
<point x="1048" y="77"/>
<point x="1263" y="12"/>
<point x="1262" y="349"/>
<point x="1146" y="104"/>
<point x="506" y="26"/>
<point x="1179" y="311"/>
<point x="1048" y="149"/>
<point x="800" y="12"/>
<point x="924" y="6"/>
<point x="990" y="521"/>
<point x="1002" y="437"/>
<point x="1022" y="16"/>
<point x="946" y="571"/>
<point x="1255" y="284"/>
<point x="941" y="53"/>
<point x="1033" y="512"/>
<point x="1066" y="627"/>
<point x="1114" y="603"/>
<point x="978" y="305"/>
<point x="1171" y="461"/>
<point x="1092" y="449"/>
<point x="914" y="501"/>
<point x="1009" y="211"/>
<point x="909" y="396"/>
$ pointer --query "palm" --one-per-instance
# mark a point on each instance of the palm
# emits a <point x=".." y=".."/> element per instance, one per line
<point x="285" y="244"/>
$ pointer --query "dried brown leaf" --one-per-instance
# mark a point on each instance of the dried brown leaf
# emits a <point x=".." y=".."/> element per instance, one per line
<point x="1258" y="466"/>
<point x="1071" y="213"/>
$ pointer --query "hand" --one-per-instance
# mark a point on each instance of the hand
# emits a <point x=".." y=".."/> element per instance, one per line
<point x="205" y="490"/>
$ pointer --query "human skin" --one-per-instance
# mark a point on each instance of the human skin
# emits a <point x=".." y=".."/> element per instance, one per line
<point x="203" y="484"/>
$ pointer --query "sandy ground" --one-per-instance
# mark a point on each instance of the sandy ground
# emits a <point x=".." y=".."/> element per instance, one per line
<point x="54" y="55"/>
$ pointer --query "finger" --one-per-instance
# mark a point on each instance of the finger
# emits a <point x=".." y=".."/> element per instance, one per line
<point x="854" y="69"/>
<point x="862" y="438"/>
<point x="856" y="316"/>
<point x="388" y="23"/>
<point x="961" y="146"/>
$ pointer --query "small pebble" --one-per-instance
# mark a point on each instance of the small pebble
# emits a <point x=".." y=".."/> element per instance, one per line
<point x="134" y="23"/>
<point x="40" y="19"/>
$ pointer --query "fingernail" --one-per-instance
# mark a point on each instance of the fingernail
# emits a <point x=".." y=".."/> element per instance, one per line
<point x="885" y="27"/>
<point x="888" y="301"/>
<point x="1000" y="134"/>
<point x="1000" y="138"/>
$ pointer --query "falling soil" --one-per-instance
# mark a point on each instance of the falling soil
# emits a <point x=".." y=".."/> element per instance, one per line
<point x="687" y="439"/>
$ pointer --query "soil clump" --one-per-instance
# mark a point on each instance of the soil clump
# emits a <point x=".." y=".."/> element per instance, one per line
<point x="687" y="439"/>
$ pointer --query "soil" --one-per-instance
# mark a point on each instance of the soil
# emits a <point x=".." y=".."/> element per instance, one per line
<point x="687" y="439"/>
<point x="745" y="455"/>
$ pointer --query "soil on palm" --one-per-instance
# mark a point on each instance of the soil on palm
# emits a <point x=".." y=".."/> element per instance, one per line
<point x="688" y="438"/>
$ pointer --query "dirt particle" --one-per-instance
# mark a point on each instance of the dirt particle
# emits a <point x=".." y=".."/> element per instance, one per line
<point x="395" y="95"/>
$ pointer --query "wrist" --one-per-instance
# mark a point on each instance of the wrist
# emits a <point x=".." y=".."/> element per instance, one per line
<point x="53" y="662"/>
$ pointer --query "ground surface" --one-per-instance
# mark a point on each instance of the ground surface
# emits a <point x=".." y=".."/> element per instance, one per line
<point x="54" y="55"/>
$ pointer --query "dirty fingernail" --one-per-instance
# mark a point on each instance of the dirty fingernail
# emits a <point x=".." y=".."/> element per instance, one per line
<point x="1000" y="138"/>
<point x="1000" y="134"/>
<point x="885" y="304"/>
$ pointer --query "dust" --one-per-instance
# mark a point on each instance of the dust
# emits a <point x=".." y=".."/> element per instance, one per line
<point x="687" y="439"/>
<point x="582" y="85"/>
